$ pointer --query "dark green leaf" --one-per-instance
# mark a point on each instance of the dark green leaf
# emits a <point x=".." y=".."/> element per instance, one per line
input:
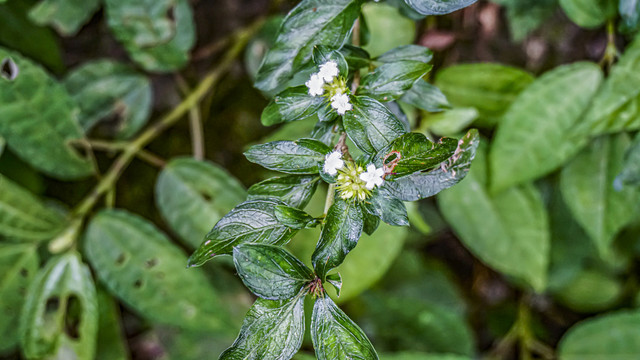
<point x="192" y="194"/>
<point x="336" y="281"/>
<point x="271" y="272"/>
<point x="24" y="217"/>
<point x="388" y="209"/>
<point x="356" y="57"/>
<point x="438" y="7"/>
<point x="311" y="22"/>
<point x="390" y="81"/>
<point x="272" y="330"/>
<point x="39" y="120"/>
<point x="371" y="126"/>
<point x="532" y="140"/>
<point x="18" y="266"/>
<point x="371" y="223"/>
<point x="426" y="97"/>
<point x="342" y="229"/>
<point x="630" y="173"/>
<point x="291" y="105"/>
<point x="335" y="336"/>
<point x="421" y="185"/>
<point x="252" y="221"/>
<point x="295" y="190"/>
<point x="293" y="157"/>
<point x="406" y="53"/>
<point x="60" y="316"/>
<point x="111" y="343"/>
<point x="141" y="266"/>
<point x="630" y="12"/>
<point x="158" y="34"/>
<point x="105" y="88"/>
<point x="295" y="218"/>
<point x="66" y="16"/>
<point x="589" y="13"/>
<point x="322" y="54"/>
<point x="525" y="16"/>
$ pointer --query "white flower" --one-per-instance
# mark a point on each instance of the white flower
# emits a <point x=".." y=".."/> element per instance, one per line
<point x="333" y="162"/>
<point x="328" y="71"/>
<point x="341" y="103"/>
<point x="373" y="177"/>
<point x="315" y="85"/>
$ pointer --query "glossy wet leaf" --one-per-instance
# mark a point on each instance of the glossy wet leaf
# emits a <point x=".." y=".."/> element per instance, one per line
<point x="388" y="209"/>
<point x="589" y="13"/>
<point x="611" y="336"/>
<point x="295" y="190"/>
<point x="322" y="54"/>
<point x="192" y="195"/>
<point x="111" y="343"/>
<point x="371" y="126"/>
<point x="532" y="140"/>
<point x="60" y="316"/>
<point x="66" y="16"/>
<point x="340" y="234"/>
<point x="291" y="105"/>
<point x="295" y="218"/>
<point x="438" y="7"/>
<point x="426" y="97"/>
<point x="272" y="330"/>
<point x="392" y="80"/>
<point x="105" y="89"/>
<point x="587" y="185"/>
<point x="293" y="157"/>
<point x="421" y="185"/>
<point x="630" y="173"/>
<point x="311" y="22"/>
<point x="18" y="266"/>
<point x="253" y="221"/>
<point x="271" y="272"/>
<point x="335" y="336"/>
<point x="157" y="34"/>
<point x="39" y="121"/>
<point x="507" y="231"/>
<point x="141" y="266"/>
<point x="630" y="12"/>
<point x="409" y="52"/>
<point x="356" y="57"/>
<point x="24" y="217"/>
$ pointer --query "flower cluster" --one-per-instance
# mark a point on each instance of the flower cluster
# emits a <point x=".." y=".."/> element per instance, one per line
<point x="327" y="79"/>
<point x="352" y="180"/>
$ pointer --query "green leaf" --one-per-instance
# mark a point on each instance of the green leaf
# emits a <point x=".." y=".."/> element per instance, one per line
<point x="525" y="16"/>
<point x="39" y="121"/>
<point x="66" y="16"/>
<point x="271" y="272"/>
<point x="381" y="17"/>
<point x="322" y="54"/>
<point x="147" y="272"/>
<point x="18" y="266"/>
<point x="111" y="343"/>
<point x="371" y="223"/>
<point x="294" y="190"/>
<point x="507" y="231"/>
<point x="295" y="218"/>
<point x="291" y="105"/>
<point x="335" y="336"/>
<point x="587" y="188"/>
<point x="590" y="291"/>
<point x="371" y="126"/>
<point x="60" y="316"/>
<point x="24" y="217"/>
<point x="488" y="87"/>
<point x="392" y="80"/>
<point x="390" y="210"/>
<point x="426" y="97"/>
<point x="303" y="156"/>
<point x="158" y="35"/>
<point x="421" y="356"/>
<point x="421" y="185"/>
<point x="252" y="221"/>
<point x="356" y="57"/>
<point x="192" y="194"/>
<point x="336" y="281"/>
<point x="409" y="52"/>
<point x="532" y="140"/>
<point x="613" y="336"/>
<point x="589" y="13"/>
<point x="449" y="122"/>
<point x="105" y="88"/>
<point x="272" y="330"/>
<point x="413" y="152"/>
<point x="342" y="229"/>
<point x="311" y="22"/>
<point x="630" y="12"/>
<point x="438" y="7"/>
<point x="630" y="173"/>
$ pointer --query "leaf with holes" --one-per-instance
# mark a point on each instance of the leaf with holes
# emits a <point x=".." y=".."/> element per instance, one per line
<point x="66" y="16"/>
<point x="438" y="7"/>
<point x="18" y="266"/>
<point x="295" y="190"/>
<point x="426" y="97"/>
<point x="271" y="272"/>
<point x="371" y="126"/>
<point x="105" y="89"/>
<point x="252" y="221"/>
<point x="293" y="157"/>
<point x="141" y="266"/>
<point x="192" y="194"/>
<point x="60" y="316"/>
<point x="39" y="120"/>
<point x="311" y="22"/>
<point x="406" y="53"/>
<point x="392" y="80"/>
<point x="291" y="105"/>
<point x="272" y="330"/>
<point x="335" y="336"/>
<point x="158" y="34"/>
<point x="23" y="217"/>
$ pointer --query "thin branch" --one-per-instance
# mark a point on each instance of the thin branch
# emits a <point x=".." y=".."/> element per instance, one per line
<point x="195" y="123"/>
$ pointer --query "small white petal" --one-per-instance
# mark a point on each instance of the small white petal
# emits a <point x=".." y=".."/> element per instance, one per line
<point x="328" y="71"/>
<point x="341" y="103"/>
<point x="315" y="85"/>
<point x="333" y="162"/>
<point x="372" y="177"/>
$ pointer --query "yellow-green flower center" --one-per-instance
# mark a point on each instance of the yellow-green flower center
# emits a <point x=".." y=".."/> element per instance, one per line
<point x="337" y="86"/>
<point x="349" y="184"/>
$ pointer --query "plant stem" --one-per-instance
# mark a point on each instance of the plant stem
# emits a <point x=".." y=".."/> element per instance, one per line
<point x="611" y="51"/>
